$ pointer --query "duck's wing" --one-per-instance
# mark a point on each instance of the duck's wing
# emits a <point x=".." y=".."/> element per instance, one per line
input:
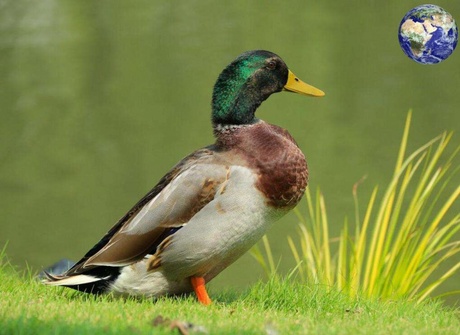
<point x="179" y="195"/>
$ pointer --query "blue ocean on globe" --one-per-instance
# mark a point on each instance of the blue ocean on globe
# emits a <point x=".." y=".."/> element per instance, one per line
<point x="428" y="34"/>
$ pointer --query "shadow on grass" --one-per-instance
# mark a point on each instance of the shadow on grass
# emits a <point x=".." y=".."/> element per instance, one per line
<point x="33" y="325"/>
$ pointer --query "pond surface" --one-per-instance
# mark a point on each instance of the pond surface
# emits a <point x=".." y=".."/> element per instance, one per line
<point x="99" y="99"/>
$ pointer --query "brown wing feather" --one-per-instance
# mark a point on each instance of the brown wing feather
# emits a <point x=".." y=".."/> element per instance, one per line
<point x="119" y="248"/>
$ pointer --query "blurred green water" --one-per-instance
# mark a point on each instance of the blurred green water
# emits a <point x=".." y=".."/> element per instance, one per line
<point x="98" y="99"/>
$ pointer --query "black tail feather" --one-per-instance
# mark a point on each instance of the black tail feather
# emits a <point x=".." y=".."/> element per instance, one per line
<point x="105" y="274"/>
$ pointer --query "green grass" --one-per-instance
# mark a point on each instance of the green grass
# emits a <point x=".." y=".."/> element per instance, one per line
<point x="275" y="307"/>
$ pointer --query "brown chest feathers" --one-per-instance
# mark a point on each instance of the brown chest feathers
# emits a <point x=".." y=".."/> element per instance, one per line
<point x="273" y="154"/>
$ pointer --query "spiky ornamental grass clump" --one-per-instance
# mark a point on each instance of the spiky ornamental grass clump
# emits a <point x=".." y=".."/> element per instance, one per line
<point x="396" y="249"/>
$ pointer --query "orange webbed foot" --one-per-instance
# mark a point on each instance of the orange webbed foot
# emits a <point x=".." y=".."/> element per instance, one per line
<point x="199" y="287"/>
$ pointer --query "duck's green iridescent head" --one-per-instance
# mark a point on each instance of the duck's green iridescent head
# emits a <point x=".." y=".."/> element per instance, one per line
<point x="246" y="82"/>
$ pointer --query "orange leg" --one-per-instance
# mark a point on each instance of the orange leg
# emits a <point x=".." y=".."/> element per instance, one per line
<point x="200" y="290"/>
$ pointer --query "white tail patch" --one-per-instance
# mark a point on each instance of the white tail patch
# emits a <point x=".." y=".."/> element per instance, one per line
<point x="74" y="280"/>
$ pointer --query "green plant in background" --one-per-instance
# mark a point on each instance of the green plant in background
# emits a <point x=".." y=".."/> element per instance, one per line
<point x="400" y="242"/>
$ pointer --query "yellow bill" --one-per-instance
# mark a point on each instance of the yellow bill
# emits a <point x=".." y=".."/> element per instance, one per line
<point x="296" y="85"/>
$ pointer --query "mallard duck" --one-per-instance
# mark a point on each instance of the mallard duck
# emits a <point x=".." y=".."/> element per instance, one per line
<point x="214" y="205"/>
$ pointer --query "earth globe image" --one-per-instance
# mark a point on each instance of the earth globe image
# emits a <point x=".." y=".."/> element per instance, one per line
<point x="428" y="34"/>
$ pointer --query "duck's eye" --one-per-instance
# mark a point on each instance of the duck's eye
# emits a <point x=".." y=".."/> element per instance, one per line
<point x="271" y="65"/>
